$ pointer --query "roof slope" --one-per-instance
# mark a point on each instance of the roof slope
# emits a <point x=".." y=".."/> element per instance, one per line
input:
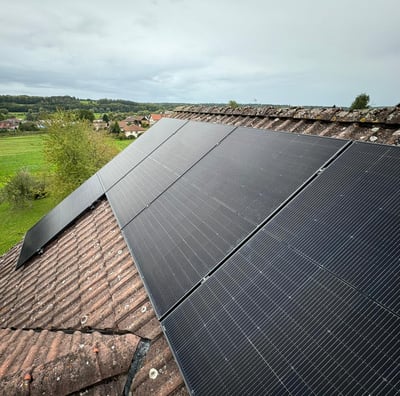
<point x="74" y="316"/>
<point x="81" y="306"/>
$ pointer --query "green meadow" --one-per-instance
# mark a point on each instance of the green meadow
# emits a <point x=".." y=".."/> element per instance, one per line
<point x="26" y="151"/>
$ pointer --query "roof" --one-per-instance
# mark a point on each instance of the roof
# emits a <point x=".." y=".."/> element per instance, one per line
<point x="379" y="125"/>
<point x="74" y="316"/>
<point x="128" y="127"/>
<point x="82" y="305"/>
<point x="157" y="117"/>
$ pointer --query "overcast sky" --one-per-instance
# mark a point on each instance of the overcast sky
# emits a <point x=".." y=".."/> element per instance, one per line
<point x="296" y="52"/>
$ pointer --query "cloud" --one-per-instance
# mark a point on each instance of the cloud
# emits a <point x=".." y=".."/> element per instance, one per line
<point x="307" y="52"/>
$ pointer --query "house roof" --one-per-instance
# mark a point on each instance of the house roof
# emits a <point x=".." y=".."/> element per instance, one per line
<point x="128" y="127"/>
<point x="157" y="117"/>
<point x="80" y="307"/>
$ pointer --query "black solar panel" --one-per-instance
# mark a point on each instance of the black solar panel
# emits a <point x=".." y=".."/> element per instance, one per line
<point x="353" y="213"/>
<point x="309" y="305"/>
<point x="163" y="167"/>
<point x="138" y="151"/>
<point x="185" y="232"/>
<point x="58" y="218"/>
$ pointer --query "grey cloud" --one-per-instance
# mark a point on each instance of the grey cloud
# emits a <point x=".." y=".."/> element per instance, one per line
<point x="307" y="52"/>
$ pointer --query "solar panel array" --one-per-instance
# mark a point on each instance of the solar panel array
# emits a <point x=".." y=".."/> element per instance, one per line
<point x="271" y="259"/>
<point x="212" y="207"/>
<point x="310" y="304"/>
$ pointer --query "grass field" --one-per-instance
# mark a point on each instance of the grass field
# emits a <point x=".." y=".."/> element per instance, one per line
<point x="25" y="151"/>
<point x="21" y="151"/>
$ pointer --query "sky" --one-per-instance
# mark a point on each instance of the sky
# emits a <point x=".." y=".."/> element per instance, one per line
<point x="292" y="52"/>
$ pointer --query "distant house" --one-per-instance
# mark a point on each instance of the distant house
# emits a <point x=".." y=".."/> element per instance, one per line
<point x="130" y="130"/>
<point x="142" y="121"/>
<point x="155" y="117"/>
<point x="99" y="125"/>
<point x="10" y="124"/>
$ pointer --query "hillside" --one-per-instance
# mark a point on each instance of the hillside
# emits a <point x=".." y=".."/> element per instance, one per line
<point x="39" y="104"/>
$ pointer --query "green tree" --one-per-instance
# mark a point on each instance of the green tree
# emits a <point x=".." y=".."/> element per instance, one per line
<point x="74" y="150"/>
<point x="115" y="127"/>
<point x="105" y="118"/>
<point x="28" y="126"/>
<point x="360" y="102"/>
<point x="86" y="115"/>
<point x="29" y="116"/>
<point x="233" y="104"/>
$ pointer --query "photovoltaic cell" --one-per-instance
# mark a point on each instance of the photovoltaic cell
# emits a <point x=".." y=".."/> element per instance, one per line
<point x="163" y="167"/>
<point x="188" y="229"/>
<point x="309" y="305"/>
<point x="119" y="166"/>
<point x="59" y="217"/>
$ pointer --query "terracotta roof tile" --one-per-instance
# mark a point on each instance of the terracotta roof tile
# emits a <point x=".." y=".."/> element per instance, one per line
<point x="84" y="281"/>
<point x="379" y="125"/>
<point x="61" y="362"/>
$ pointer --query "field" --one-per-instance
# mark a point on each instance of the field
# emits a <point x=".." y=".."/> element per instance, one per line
<point x="21" y="151"/>
<point x="17" y="152"/>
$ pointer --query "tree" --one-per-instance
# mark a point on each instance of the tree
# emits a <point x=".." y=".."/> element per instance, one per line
<point x="23" y="188"/>
<point x="115" y="127"/>
<point x="74" y="150"/>
<point x="105" y="118"/>
<point x="360" y="102"/>
<point x="233" y="104"/>
<point x="28" y="126"/>
<point x="86" y="115"/>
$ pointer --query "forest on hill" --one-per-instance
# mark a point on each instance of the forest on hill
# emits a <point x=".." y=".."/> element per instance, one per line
<point x="49" y="104"/>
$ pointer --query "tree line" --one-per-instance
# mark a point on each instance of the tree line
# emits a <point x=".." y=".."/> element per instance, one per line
<point x="49" y="104"/>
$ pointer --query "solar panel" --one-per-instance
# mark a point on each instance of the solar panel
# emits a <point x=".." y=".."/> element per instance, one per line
<point x="188" y="229"/>
<point x="59" y="217"/>
<point x="271" y="321"/>
<point x="136" y="152"/>
<point x="353" y="214"/>
<point x="309" y="305"/>
<point x="163" y="167"/>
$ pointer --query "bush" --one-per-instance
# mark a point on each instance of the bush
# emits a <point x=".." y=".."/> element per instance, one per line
<point x="23" y="188"/>
<point x="360" y="102"/>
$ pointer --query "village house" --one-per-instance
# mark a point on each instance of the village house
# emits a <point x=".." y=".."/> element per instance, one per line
<point x="10" y="124"/>
<point x="130" y="129"/>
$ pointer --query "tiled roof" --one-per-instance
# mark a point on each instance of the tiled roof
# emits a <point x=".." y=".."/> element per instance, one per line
<point x="157" y="117"/>
<point x="379" y="125"/>
<point x="127" y="127"/>
<point x="73" y="317"/>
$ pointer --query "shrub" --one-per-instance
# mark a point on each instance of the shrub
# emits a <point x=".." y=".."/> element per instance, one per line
<point x="23" y="188"/>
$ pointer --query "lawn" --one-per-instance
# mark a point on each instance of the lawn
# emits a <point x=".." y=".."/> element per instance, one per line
<point x="25" y="151"/>
<point x="21" y="151"/>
